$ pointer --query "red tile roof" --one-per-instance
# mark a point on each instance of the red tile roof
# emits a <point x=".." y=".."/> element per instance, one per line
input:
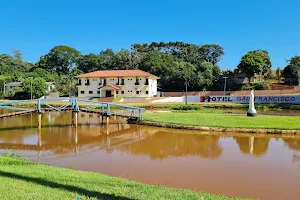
<point x="112" y="86"/>
<point x="116" y="73"/>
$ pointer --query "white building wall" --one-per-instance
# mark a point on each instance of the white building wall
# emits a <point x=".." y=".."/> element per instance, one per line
<point x="129" y="89"/>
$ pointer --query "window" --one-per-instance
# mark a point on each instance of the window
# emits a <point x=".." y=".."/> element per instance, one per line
<point x="122" y="92"/>
<point x="117" y="92"/>
<point x="137" y="92"/>
<point x="82" y="92"/>
<point x="98" y="92"/>
<point x="147" y="92"/>
<point x="90" y="92"/>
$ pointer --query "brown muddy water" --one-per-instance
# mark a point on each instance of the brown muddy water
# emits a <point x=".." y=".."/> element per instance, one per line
<point x="239" y="165"/>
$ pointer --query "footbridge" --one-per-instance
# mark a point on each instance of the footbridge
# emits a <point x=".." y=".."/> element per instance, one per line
<point x="70" y="104"/>
<point x="76" y="105"/>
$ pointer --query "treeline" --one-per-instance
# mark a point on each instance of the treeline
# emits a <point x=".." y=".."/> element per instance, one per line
<point x="176" y="63"/>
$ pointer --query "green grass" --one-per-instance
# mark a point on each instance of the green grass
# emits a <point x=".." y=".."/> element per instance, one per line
<point x="21" y="179"/>
<point x="216" y="119"/>
<point x="117" y="99"/>
<point x="219" y="105"/>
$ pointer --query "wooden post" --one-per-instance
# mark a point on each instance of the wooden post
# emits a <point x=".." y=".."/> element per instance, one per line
<point x="76" y="105"/>
<point x="108" y="109"/>
<point x="141" y="114"/>
<point x="39" y="106"/>
<point x="133" y="112"/>
<point x="39" y="121"/>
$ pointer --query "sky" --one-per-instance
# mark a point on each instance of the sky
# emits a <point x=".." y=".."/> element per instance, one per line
<point x="36" y="26"/>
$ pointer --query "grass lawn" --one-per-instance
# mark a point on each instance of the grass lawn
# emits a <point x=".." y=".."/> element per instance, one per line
<point x="211" y="119"/>
<point x="219" y="105"/>
<point x="20" y="179"/>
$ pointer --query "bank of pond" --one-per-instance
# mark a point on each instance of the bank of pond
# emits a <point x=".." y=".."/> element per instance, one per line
<point x="231" y="164"/>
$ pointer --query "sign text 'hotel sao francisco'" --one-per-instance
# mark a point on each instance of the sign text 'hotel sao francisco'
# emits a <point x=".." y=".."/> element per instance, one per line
<point x="257" y="99"/>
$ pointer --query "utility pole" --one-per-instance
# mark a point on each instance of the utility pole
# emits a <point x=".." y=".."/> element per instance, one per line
<point x="225" y="77"/>
<point x="185" y="89"/>
<point x="4" y="90"/>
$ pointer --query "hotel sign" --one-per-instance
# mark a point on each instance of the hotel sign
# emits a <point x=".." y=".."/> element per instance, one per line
<point x="257" y="99"/>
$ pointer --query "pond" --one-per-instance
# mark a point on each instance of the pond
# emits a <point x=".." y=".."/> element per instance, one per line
<point x="253" y="166"/>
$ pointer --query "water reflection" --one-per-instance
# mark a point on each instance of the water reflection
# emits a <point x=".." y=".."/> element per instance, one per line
<point x="292" y="144"/>
<point x="253" y="145"/>
<point x="162" y="145"/>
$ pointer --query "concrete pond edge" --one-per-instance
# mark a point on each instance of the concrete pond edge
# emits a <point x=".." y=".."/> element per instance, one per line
<point x="215" y="129"/>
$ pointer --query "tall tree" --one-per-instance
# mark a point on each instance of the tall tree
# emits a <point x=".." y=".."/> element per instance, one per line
<point x="90" y="62"/>
<point x="292" y="70"/>
<point x="257" y="61"/>
<point x="61" y="59"/>
<point x="18" y="54"/>
<point x="294" y="65"/>
<point x="36" y="85"/>
<point x="108" y="59"/>
<point x="125" y="59"/>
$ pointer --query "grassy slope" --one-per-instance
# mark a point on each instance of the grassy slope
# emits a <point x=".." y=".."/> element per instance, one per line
<point x="23" y="180"/>
<point x="225" y="120"/>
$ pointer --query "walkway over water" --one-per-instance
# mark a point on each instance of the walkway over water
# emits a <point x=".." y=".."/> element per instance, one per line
<point x="71" y="104"/>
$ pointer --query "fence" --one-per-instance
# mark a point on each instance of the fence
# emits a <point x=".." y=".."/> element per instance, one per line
<point x="295" y="90"/>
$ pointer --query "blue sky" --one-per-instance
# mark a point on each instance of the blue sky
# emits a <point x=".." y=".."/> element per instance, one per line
<point x="93" y="25"/>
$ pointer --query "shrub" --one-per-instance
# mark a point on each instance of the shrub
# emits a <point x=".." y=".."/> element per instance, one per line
<point x="187" y="107"/>
<point x="256" y="86"/>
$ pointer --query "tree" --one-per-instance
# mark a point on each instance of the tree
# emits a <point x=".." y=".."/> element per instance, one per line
<point x="18" y="54"/>
<point x="60" y="59"/>
<point x="90" y="62"/>
<point x="38" y="86"/>
<point x="108" y="59"/>
<point x="42" y="73"/>
<point x="257" y="61"/>
<point x="9" y="65"/>
<point x="207" y="73"/>
<point x="66" y="84"/>
<point x="125" y="59"/>
<point x="294" y="65"/>
<point x="278" y="74"/>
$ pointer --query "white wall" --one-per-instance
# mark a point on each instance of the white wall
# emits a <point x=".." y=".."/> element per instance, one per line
<point x="195" y="99"/>
<point x="129" y="87"/>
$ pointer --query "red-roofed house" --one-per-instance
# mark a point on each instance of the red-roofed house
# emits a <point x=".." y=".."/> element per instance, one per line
<point x="117" y="83"/>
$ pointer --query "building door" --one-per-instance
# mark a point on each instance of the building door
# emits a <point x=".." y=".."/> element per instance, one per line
<point x="108" y="93"/>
